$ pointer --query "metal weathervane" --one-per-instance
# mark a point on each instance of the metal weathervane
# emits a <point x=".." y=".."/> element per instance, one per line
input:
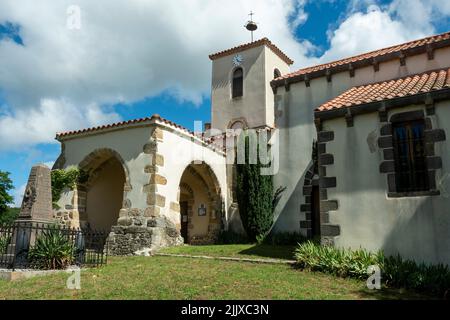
<point x="251" y="25"/>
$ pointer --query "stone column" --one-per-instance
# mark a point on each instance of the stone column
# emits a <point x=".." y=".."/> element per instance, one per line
<point x="140" y="231"/>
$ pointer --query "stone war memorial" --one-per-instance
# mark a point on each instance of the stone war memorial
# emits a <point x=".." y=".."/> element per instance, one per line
<point x="37" y="223"/>
<point x="36" y="210"/>
<point x="37" y="199"/>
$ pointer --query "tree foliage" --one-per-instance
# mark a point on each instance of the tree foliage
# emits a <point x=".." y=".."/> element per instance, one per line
<point x="255" y="196"/>
<point x="9" y="216"/>
<point x="5" y="186"/>
<point x="65" y="179"/>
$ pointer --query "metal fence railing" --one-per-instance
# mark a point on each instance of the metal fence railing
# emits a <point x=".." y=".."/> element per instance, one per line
<point x="28" y="245"/>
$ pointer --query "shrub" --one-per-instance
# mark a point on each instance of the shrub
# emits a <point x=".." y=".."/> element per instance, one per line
<point x="4" y="242"/>
<point x="339" y="262"/>
<point x="284" y="238"/>
<point x="8" y="217"/>
<point x="396" y="272"/>
<point x="407" y="274"/>
<point x="255" y="192"/>
<point x="52" y="250"/>
<point x="62" y="179"/>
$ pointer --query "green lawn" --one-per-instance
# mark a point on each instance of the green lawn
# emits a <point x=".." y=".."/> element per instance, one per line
<point x="237" y="251"/>
<point x="186" y="278"/>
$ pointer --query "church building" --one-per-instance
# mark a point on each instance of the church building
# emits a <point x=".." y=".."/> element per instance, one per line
<point x="360" y="144"/>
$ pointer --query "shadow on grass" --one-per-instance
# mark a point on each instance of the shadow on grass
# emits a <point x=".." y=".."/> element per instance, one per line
<point x="270" y="251"/>
<point x="395" y="294"/>
<point x="385" y="293"/>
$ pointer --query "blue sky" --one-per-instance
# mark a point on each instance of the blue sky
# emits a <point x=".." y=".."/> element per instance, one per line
<point x="166" y="71"/>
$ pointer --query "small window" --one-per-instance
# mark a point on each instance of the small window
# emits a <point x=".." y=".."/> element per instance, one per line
<point x="276" y="73"/>
<point x="411" y="173"/>
<point x="238" y="83"/>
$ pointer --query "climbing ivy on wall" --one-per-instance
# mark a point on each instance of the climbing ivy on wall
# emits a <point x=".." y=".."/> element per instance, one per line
<point x="65" y="179"/>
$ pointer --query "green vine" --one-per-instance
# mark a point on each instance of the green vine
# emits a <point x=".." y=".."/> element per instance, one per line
<point x="65" y="179"/>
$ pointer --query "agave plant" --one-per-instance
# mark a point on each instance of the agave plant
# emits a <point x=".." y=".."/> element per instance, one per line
<point x="339" y="262"/>
<point x="396" y="272"/>
<point x="52" y="250"/>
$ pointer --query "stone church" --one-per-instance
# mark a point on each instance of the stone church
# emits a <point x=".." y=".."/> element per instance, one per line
<point x="361" y="144"/>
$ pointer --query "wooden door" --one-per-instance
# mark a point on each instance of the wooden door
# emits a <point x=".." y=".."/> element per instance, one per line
<point x="315" y="212"/>
<point x="184" y="220"/>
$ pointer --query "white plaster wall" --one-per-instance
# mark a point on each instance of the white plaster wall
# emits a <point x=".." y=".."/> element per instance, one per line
<point x="272" y="62"/>
<point x="179" y="152"/>
<point x="66" y="199"/>
<point x="416" y="227"/>
<point x="252" y="105"/>
<point x="297" y="131"/>
<point x="129" y="144"/>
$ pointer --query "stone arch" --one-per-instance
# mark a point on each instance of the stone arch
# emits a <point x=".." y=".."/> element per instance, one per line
<point x="235" y="121"/>
<point x="187" y="189"/>
<point x="104" y="193"/>
<point x="200" y="193"/>
<point x="92" y="161"/>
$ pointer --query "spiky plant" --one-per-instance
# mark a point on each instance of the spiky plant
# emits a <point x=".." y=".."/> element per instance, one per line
<point x="52" y="250"/>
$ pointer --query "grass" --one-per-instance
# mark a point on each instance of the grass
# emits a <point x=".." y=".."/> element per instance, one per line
<point x="247" y="251"/>
<point x="164" y="278"/>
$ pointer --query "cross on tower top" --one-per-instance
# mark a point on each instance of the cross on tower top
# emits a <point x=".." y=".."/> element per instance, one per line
<point x="251" y="25"/>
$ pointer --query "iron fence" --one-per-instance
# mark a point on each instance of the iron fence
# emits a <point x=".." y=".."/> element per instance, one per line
<point x="23" y="245"/>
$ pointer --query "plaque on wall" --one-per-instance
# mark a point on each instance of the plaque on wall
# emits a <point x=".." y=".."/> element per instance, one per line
<point x="202" y="210"/>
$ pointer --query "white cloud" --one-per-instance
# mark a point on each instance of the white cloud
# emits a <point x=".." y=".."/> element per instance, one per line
<point x="125" y="51"/>
<point x="128" y="50"/>
<point x="420" y="14"/>
<point x="36" y="125"/>
<point x="49" y="164"/>
<point x="370" y="30"/>
<point x="18" y="195"/>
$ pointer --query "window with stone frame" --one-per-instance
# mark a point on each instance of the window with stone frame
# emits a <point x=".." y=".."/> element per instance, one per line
<point x="411" y="172"/>
<point x="238" y="83"/>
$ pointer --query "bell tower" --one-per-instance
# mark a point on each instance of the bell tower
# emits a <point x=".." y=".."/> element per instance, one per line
<point x="241" y="96"/>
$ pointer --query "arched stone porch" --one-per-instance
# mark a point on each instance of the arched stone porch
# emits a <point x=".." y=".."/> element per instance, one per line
<point x="201" y="205"/>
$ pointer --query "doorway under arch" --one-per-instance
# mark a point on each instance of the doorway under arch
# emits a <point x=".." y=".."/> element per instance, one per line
<point x="311" y="207"/>
<point x="201" y="205"/>
<point x="100" y="198"/>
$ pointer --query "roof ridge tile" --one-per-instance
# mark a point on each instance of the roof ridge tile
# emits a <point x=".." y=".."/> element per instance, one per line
<point x="368" y="56"/>
<point x="390" y="89"/>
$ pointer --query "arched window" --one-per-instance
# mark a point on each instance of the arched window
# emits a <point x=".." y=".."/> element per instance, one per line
<point x="238" y="83"/>
<point x="237" y="125"/>
<point x="276" y="73"/>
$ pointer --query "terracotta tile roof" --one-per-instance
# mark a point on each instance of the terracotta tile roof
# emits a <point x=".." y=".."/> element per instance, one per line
<point x="254" y="44"/>
<point x="153" y="118"/>
<point x="122" y="124"/>
<point x="387" y="90"/>
<point x="406" y="49"/>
